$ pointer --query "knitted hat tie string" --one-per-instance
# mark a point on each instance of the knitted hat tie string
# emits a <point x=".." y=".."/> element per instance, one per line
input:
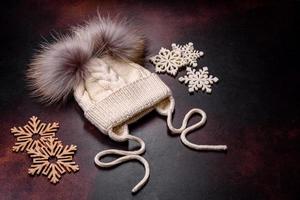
<point x="184" y="130"/>
<point x="126" y="156"/>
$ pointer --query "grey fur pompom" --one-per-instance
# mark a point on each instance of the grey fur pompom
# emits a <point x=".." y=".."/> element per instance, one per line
<point x="57" y="68"/>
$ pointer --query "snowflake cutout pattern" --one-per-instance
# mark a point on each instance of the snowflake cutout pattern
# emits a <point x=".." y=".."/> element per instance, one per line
<point x="197" y="80"/>
<point x="188" y="53"/>
<point x="167" y="61"/>
<point x="33" y="134"/>
<point x="53" y="160"/>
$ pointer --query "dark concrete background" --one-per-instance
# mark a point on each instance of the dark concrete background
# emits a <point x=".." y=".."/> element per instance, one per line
<point x="250" y="45"/>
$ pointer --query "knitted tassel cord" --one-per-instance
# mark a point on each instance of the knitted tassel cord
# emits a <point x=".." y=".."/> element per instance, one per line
<point x="126" y="156"/>
<point x="184" y="130"/>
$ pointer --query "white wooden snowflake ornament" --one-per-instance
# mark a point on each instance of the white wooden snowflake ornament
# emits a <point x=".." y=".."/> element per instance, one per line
<point x="188" y="53"/>
<point x="167" y="61"/>
<point x="198" y="80"/>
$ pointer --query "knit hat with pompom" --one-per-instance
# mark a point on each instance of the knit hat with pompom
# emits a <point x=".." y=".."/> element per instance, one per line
<point x="100" y="64"/>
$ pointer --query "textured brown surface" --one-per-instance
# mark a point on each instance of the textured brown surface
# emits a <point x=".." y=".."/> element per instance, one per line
<point x="254" y="109"/>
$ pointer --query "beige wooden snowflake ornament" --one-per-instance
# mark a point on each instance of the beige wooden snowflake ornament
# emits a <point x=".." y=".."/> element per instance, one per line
<point x="188" y="53"/>
<point x="167" y="61"/>
<point x="198" y="80"/>
<point x="53" y="160"/>
<point x="33" y="134"/>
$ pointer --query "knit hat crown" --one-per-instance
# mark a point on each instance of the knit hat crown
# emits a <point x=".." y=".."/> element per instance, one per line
<point x="99" y="63"/>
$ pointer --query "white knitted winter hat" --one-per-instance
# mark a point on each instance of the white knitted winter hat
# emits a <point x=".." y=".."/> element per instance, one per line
<point x="99" y="64"/>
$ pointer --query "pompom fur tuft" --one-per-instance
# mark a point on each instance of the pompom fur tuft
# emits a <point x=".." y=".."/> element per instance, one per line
<point x="57" y="68"/>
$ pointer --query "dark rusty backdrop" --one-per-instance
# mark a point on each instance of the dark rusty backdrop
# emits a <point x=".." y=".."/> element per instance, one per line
<point x="254" y="109"/>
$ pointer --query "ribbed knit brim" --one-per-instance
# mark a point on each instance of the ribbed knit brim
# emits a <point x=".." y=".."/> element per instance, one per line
<point x="127" y="102"/>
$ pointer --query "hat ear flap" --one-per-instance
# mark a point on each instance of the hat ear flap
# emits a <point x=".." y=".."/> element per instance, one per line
<point x="119" y="133"/>
<point x="166" y="106"/>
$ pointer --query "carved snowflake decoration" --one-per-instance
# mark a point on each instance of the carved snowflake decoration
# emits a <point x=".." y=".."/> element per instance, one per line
<point x="197" y="80"/>
<point x="167" y="61"/>
<point x="188" y="53"/>
<point x="33" y="134"/>
<point x="53" y="160"/>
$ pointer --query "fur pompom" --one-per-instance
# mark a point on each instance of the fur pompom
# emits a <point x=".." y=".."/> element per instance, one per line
<point x="57" y="68"/>
<point x="114" y="37"/>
